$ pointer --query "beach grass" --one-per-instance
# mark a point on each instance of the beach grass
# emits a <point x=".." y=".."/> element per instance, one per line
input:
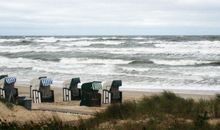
<point x="160" y="112"/>
<point x="165" y="111"/>
<point x="7" y="104"/>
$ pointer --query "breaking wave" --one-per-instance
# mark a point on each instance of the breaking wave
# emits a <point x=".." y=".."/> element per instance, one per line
<point x="185" y="62"/>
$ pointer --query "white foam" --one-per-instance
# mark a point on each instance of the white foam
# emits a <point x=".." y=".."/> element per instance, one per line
<point x="87" y="43"/>
<point x="138" y="38"/>
<point x="16" y="62"/>
<point x="45" y="39"/>
<point x="179" y="62"/>
<point x="67" y="44"/>
<point x="131" y="69"/>
<point x="66" y="66"/>
<point x="10" y="40"/>
<point x="92" y="61"/>
<point x="191" y="45"/>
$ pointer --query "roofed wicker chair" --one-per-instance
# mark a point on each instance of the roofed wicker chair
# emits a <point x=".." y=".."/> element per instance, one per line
<point x="71" y="90"/>
<point x="7" y="88"/>
<point x="40" y="90"/>
<point x="90" y="94"/>
<point x="111" y="93"/>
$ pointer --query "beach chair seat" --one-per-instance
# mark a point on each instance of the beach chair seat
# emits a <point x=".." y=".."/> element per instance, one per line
<point x="48" y="98"/>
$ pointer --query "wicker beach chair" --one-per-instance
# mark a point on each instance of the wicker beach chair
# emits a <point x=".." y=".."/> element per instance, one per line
<point x="111" y="93"/>
<point x="7" y="89"/>
<point x="71" y="90"/>
<point x="40" y="90"/>
<point x="90" y="94"/>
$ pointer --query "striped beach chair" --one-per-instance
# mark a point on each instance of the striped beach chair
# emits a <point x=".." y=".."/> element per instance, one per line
<point x="40" y="90"/>
<point x="9" y="92"/>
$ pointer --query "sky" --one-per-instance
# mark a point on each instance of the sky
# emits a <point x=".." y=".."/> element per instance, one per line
<point x="109" y="17"/>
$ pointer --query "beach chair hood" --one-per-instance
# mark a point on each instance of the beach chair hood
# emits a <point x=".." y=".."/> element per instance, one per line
<point x="45" y="82"/>
<point x="95" y="85"/>
<point x="116" y="83"/>
<point x="40" y="81"/>
<point x="107" y="85"/>
<point x="66" y="83"/>
<point x="35" y="83"/>
<point x="71" y="82"/>
<point x="10" y="80"/>
<point x="74" y="81"/>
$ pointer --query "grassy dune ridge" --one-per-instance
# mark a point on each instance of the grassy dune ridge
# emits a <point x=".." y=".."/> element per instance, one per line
<point x="160" y="112"/>
<point x="166" y="111"/>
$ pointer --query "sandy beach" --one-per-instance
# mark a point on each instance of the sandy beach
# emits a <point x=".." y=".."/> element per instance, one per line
<point x="131" y="95"/>
<point x="72" y="111"/>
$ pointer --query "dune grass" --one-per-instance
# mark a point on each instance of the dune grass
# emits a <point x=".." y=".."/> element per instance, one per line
<point x="166" y="111"/>
<point x="160" y="112"/>
<point x="7" y="104"/>
<point x="54" y="124"/>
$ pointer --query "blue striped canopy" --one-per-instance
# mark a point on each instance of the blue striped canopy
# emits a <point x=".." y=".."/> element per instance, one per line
<point x="10" y="80"/>
<point x="46" y="81"/>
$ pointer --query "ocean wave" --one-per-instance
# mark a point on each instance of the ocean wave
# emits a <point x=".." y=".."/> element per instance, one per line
<point x="141" y="62"/>
<point x="9" y="40"/>
<point x="185" y="62"/>
<point x="16" y="62"/>
<point x="133" y="70"/>
<point x="138" y="38"/>
<point x="111" y="50"/>
<point x="45" y="39"/>
<point x="189" y="44"/>
<point x="92" y="61"/>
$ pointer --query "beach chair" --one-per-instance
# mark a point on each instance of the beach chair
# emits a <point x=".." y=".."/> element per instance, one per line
<point x="90" y="94"/>
<point x="10" y="93"/>
<point x="40" y="90"/>
<point x="71" y="90"/>
<point x="8" y="90"/>
<point x="111" y="93"/>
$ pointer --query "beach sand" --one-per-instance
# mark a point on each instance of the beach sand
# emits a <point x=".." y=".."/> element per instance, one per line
<point x="131" y="95"/>
<point x="71" y="111"/>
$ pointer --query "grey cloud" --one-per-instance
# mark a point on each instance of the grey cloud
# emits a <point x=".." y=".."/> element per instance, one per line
<point x="109" y="13"/>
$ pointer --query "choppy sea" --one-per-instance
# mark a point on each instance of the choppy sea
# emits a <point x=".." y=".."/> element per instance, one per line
<point x="141" y="62"/>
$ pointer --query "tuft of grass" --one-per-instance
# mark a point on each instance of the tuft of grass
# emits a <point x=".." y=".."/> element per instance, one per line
<point x="159" y="109"/>
<point x="7" y="104"/>
<point x="54" y="124"/>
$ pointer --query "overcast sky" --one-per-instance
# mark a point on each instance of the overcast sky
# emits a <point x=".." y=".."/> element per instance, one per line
<point x="109" y="17"/>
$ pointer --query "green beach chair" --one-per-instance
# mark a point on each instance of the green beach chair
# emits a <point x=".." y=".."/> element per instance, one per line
<point x="90" y="94"/>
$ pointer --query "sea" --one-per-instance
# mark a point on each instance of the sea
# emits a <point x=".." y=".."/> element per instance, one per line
<point x="141" y="62"/>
